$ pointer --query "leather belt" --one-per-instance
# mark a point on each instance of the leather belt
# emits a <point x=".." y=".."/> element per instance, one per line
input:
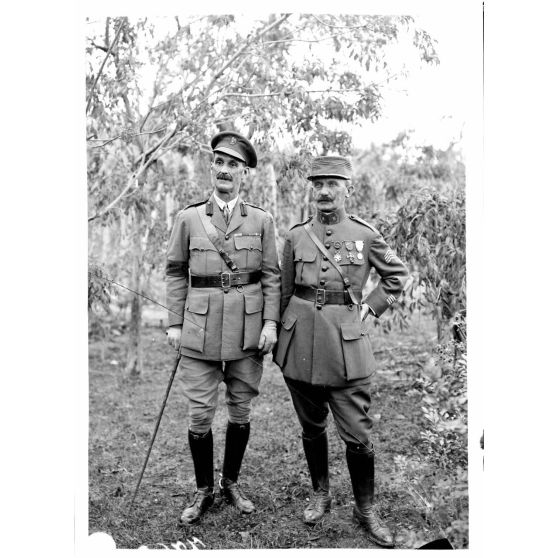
<point x="225" y="279"/>
<point x="324" y="296"/>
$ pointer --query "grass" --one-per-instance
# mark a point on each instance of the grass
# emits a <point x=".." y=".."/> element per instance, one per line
<point x="274" y="474"/>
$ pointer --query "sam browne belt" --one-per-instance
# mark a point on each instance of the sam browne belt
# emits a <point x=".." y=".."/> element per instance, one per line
<point x="225" y="279"/>
<point x="324" y="296"/>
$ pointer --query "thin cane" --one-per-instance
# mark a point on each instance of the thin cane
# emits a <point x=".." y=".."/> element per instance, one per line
<point x="156" y="429"/>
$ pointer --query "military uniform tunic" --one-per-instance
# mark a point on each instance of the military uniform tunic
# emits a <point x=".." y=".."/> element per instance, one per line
<point x="222" y="324"/>
<point x="329" y="345"/>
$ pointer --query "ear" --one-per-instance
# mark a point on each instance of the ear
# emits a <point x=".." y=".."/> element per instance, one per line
<point x="350" y="190"/>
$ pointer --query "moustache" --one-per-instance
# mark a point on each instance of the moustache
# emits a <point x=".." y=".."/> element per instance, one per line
<point x="224" y="176"/>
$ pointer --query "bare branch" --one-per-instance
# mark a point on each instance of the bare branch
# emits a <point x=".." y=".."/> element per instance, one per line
<point x="100" y="47"/>
<point x="287" y="93"/>
<point x="109" y="51"/>
<point x="303" y="40"/>
<point x="107" y="141"/>
<point x="253" y="95"/>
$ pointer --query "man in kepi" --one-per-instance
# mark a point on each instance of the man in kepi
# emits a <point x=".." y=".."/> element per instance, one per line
<point x="324" y="346"/>
<point x="223" y="292"/>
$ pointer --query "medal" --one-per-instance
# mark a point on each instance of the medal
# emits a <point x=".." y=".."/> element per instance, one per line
<point x="337" y="245"/>
<point x="351" y="257"/>
<point x="359" y="256"/>
<point x="350" y="245"/>
<point x="359" y="245"/>
<point x="337" y="257"/>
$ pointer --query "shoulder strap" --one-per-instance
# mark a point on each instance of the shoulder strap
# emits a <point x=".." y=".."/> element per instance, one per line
<point x="324" y="251"/>
<point x="213" y="237"/>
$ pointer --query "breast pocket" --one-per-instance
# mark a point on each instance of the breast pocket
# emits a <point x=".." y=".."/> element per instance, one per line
<point x="195" y="319"/>
<point x="304" y="260"/>
<point x="249" y="251"/>
<point x="204" y="258"/>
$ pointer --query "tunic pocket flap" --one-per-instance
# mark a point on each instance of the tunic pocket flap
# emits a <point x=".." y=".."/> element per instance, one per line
<point x="200" y="243"/>
<point x="253" y="302"/>
<point x="305" y="255"/>
<point x="248" y="242"/>
<point x="198" y="303"/>
<point x="288" y="321"/>
<point x="351" y="332"/>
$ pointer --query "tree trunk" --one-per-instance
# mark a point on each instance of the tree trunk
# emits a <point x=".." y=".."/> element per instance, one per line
<point x="271" y="188"/>
<point x="134" y="364"/>
<point x="134" y="360"/>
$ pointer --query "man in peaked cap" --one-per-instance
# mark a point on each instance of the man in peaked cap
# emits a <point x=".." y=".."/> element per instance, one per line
<point x="325" y="347"/>
<point x="223" y="293"/>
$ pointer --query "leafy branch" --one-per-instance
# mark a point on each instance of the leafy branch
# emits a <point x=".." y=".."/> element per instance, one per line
<point x="109" y="51"/>
<point x="134" y="178"/>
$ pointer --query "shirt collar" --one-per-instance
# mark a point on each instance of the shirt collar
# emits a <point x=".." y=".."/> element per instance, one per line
<point x="222" y="203"/>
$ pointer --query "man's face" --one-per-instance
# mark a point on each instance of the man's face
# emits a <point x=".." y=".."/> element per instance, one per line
<point x="227" y="175"/>
<point x="330" y="193"/>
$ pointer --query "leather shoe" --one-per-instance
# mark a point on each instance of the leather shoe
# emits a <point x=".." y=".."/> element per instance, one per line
<point x="203" y="500"/>
<point x="319" y="505"/>
<point x="233" y="495"/>
<point x="377" y="532"/>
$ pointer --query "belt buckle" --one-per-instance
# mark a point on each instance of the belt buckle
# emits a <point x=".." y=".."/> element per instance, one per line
<point x="225" y="280"/>
<point x="320" y="297"/>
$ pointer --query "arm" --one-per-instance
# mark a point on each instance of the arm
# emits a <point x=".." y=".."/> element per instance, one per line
<point x="271" y="280"/>
<point x="176" y="277"/>
<point x="287" y="273"/>
<point x="271" y="286"/>
<point x="393" y="275"/>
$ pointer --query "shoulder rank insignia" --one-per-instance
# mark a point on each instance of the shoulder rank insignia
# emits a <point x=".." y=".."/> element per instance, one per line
<point x="302" y="223"/>
<point x="363" y="222"/>
<point x="195" y="204"/>
<point x="253" y="205"/>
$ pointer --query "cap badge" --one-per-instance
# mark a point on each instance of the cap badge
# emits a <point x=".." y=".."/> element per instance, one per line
<point x="233" y="141"/>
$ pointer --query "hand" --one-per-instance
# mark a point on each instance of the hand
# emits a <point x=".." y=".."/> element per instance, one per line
<point x="268" y="337"/>
<point x="173" y="336"/>
<point x="365" y="310"/>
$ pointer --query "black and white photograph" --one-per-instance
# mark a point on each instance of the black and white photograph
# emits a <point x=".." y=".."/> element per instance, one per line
<point x="277" y="279"/>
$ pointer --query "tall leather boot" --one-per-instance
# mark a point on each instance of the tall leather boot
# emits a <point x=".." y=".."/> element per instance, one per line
<point x="201" y="447"/>
<point x="360" y="462"/>
<point x="236" y="440"/>
<point x="315" y="450"/>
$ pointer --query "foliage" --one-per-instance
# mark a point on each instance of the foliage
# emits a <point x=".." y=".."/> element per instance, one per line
<point x="99" y="289"/>
<point x="282" y="76"/>
<point x="445" y="409"/>
<point x="436" y="477"/>
<point x="159" y="88"/>
<point x="428" y="233"/>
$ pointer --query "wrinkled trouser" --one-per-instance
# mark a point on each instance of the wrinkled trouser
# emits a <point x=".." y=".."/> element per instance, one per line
<point x="200" y="381"/>
<point x="349" y="406"/>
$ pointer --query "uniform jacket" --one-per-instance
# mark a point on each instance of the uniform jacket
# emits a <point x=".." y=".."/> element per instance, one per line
<point x="331" y="346"/>
<point x="219" y="325"/>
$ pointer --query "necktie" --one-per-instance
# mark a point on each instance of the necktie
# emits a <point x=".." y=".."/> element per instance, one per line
<point x="226" y="213"/>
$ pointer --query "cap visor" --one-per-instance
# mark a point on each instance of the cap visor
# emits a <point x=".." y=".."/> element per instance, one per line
<point x="328" y="175"/>
<point x="230" y="152"/>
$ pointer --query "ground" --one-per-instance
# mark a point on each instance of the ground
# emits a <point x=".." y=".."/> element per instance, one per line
<point x="123" y="411"/>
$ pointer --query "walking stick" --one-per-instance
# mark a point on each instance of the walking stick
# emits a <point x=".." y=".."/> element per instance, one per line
<point x="156" y="429"/>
